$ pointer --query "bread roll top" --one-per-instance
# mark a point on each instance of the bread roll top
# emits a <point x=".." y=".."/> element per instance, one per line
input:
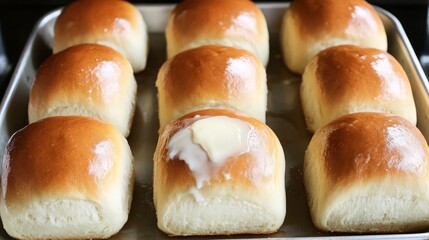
<point x="212" y="76"/>
<point x="310" y="26"/>
<point x="77" y="157"/>
<point x="215" y="18"/>
<point x="363" y="146"/>
<point x="355" y="73"/>
<point x="87" y="71"/>
<point x="237" y="23"/>
<point x="85" y="80"/>
<point x="113" y="23"/>
<point x="350" y="17"/>
<point x="218" y="71"/>
<point x="347" y="79"/>
<point x="98" y="18"/>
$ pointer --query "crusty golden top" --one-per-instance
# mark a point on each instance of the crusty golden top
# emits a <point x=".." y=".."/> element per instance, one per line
<point x="92" y="72"/>
<point x="96" y="18"/>
<point x="366" y="145"/>
<point x="215" y="18"/>
<point x="65" y="156"/>
<point x="349" y="16"/>
<point x="359" y="74"/>
<point x="210" y="72"/>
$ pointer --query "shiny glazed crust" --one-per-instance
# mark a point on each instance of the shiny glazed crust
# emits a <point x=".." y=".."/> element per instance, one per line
<point x="367" y="172"/>
<point x="114" y="23"/>
<point x="89" y="80"/>
<point x="346" y="79"/>
<point x="310" y="26"/>
<point x="75" y="173"/>
<point x="211" y="77"/>
<point x="238" y="23"/>
<point x="252" y="176"/>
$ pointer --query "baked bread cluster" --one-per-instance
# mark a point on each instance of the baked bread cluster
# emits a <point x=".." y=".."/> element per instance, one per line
<point x="216" y="161"/>
<point x="366" y="164"/>
<point x="218" y="168"/>
<point x="340" y="47"/>
<point x="69" y="173"/>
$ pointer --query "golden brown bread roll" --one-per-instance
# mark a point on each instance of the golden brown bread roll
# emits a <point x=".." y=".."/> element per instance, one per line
<point x="211" y="77"/>
<point x="87" y="80"/>
<point x="368" y="172"/>
<point x="238" y="23"/>
<point x="219" y="172"/>
<point x="310" y="26"/>
<point x="346" y="79"/>
<point x="113" y="23"/>
<point x="66" y="178"/>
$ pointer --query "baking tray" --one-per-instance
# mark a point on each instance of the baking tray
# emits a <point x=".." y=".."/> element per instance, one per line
<point x="284" y="116"/>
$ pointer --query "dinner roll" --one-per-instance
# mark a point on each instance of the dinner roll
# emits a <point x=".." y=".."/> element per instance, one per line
<point x="212" y="77"/>
<point x="66" y="178"/>
<point x="368" y="172"/>
<point x="238" y="23"/>
<point x="346" y="79"/>
<point x="216" y="172"/>
<point x="309" y="26"/>
<point x="113" y="23"/>
<point x="88" y="80"/>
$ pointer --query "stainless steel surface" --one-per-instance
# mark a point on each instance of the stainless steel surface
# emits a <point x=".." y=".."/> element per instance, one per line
<point x="5" y="66"/>
<point x="424" y="58"/>
<point x="4" y="63"/>
<point x="284" y="117"/>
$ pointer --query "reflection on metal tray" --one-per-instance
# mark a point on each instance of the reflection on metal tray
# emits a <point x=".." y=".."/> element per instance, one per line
<point x="284" y="117"/>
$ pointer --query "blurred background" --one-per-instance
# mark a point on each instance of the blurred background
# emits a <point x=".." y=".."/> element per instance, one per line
<point x="18" y="17"/>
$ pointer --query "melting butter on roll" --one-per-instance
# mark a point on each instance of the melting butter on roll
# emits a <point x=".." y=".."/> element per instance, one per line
<point x="211" y="77"/>
<point x="219" y="172"/>
<point x="86" y="80"/>
<point x="238" y="23"/>
<point x="346" y="79"/>
<point x="368" y="172"/>
<point x="113" y="23"/>
<point x="66" y="178"/>
<point x="310" y="26"/>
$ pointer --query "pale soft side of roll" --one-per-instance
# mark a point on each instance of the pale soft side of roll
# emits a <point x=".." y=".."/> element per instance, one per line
<point x="66" y="178"/>
<point x="368" y="172"/>
<point x="346" y="79"/>
<point x="86" y="80"/>
<point x="114" y="23"/>
<point x="212" y="77"/>
<point x="219" y="172"/>
<point x="238" y="23"/>
<point x="310" y="26"/>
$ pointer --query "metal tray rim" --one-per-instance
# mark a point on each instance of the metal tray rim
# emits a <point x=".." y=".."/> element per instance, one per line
<point x="14" y="80"/>
<point x="416" y="63"/>
<point x="13" y="84"/>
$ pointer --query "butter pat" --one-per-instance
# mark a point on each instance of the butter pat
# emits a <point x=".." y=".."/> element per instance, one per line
<point x="207" y="144"/>
<point x="221" y="137"/>
<point x="181" y="146"/>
